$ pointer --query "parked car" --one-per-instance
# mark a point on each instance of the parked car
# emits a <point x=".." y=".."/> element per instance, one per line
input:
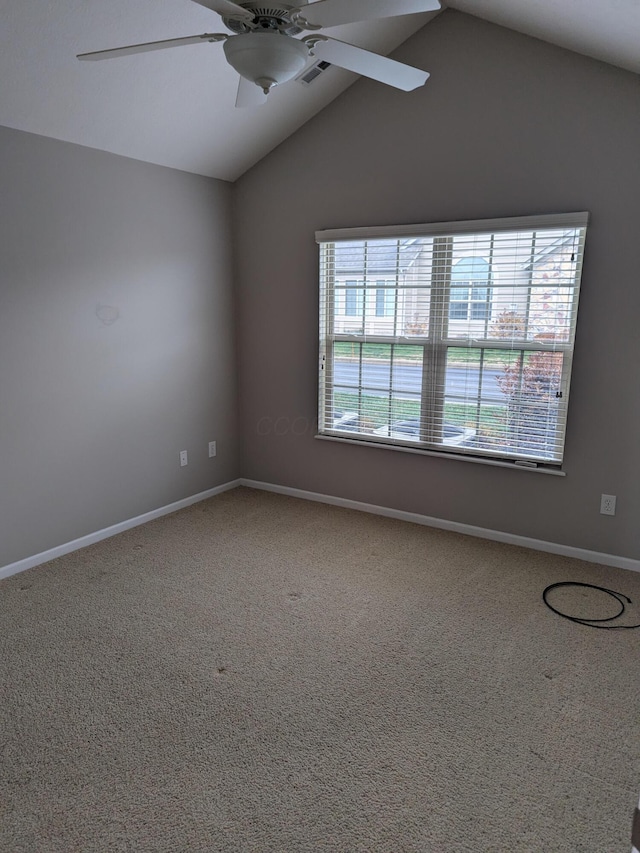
<point x="453" y="435"/>
<point x="348" y="421"/>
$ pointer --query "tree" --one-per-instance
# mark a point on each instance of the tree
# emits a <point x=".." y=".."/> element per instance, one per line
<point x="418" y="326"/>
<point x="532" y="386"/>
<point x="510" y="325"/>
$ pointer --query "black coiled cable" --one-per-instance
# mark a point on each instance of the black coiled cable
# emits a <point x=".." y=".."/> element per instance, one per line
<point x="619" y="597"/>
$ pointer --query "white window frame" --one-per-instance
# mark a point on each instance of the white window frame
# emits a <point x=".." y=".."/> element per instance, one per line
<point x="436" y="343"/>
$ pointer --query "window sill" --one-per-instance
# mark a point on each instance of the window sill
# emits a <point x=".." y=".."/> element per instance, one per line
<point x="458" y="457"/>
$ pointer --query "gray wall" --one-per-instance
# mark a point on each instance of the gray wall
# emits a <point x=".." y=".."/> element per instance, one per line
<point x="116" y="340"/>
<point x="506" y="126"/>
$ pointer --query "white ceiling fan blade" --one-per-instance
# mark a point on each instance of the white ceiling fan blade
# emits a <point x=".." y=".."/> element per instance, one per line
<point x="249" y="95"/>
<point x="227" y="9"/>
<point x="151" y="45"/>
<point x="370" y="64"/>
<point x="333" y="13"/>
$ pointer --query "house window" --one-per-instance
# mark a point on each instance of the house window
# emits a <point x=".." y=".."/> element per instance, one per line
<point x="385" y="299"/>
<point x="353" y="298"/>
<point x="376" y="297"/>
<point x="465" y="347"/>
<point x="470" y="292"/>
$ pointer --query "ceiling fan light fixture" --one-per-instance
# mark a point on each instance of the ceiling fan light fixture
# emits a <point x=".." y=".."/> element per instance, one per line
<point x="267" y="59"/>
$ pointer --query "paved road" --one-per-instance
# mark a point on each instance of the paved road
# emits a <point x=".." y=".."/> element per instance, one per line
<point x="407" y="378"/>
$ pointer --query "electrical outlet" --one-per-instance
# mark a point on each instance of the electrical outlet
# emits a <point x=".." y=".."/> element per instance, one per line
<point x="183" y="458"/>
<point x="607" y="505"/>
<point x="212" y="449"/>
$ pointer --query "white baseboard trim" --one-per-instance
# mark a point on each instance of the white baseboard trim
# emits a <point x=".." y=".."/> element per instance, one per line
<point x="105" y="533"/>
<point x="415" y="518"/>
<point x="455" y="526"/>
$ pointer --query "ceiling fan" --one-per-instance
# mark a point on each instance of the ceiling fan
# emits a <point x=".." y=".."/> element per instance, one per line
<point x="264" y="50"/>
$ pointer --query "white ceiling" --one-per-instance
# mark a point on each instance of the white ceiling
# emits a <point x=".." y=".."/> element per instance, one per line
<point x="176" y="107"/>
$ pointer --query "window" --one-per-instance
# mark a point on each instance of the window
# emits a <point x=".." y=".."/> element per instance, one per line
<point x="470" y="292"/>
<point x="355" y="296"/>
<point x="464" y="347"/>
<point x="385" y="299"/>
<point x="353" y="299"/>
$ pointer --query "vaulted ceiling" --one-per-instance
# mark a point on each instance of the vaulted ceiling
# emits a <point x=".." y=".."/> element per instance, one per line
<point x="176" y="107"/>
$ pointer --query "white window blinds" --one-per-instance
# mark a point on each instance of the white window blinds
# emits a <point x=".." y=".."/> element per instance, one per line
<point x="451" y="337"/>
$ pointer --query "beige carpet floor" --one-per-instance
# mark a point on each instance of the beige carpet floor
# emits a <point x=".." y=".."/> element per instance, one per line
<point x="259" y="673"/>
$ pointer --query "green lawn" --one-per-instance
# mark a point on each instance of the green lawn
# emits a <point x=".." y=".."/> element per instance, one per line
<point x="376" y="411"/>
<point x="379" y="411"/>
<point x="349" y="349"/>
<point x="407" y="352"/>
<point x="492" y="357"/>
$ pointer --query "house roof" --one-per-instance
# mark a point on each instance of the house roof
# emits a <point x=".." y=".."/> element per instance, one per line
<point x="378" y="257"/>
<point x="384" y="257"/>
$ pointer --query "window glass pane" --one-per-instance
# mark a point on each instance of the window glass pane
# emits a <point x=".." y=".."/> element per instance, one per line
<point x="479" y="293"/>
<point x="479" y="310"/>
<point x="376" y="367"/>
<point x="472" y="268"/>
<point x="351" y="305"/>
<point x="376" y="385"/>
<point x="508" y="397"/>
<point x="406" y="377"/>
<point x="354" y="298"/>
<point x="508" y="324"/>
<point x="415" y="312"/>
<point x="415" y="289"/>
<point x="532" y="390"/>
<point x="346" y="350"/>
<point x="551" y="313"/>
<point x="463" y="373"/>
<point x="469" y="302"/>
<point x="346" y="364"/>
<point x="344" y="412"/>
<point x="399" y="418"/>
<point x="389" y="301"/>
<point x="473" y="397"/>
<point x="383" y="287"/>
<point x="459" y="294"/>
<point x="373" y="415"/>
<point x="385" y="299"/>
<point x="458" y="310"/>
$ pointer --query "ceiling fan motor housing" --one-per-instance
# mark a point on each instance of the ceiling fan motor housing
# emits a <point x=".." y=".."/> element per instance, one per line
<point x="267" y="16"/>
<point x="267" y="58"/>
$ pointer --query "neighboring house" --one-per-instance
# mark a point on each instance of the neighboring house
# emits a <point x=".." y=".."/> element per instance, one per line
<point x="384" y="288"/>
